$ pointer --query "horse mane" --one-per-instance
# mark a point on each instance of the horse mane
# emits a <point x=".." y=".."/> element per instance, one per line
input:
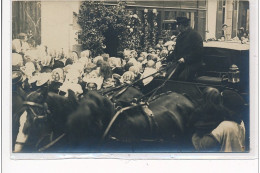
<point x="59" y="102"/>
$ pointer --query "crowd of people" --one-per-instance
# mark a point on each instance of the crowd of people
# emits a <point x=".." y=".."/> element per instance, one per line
<point x="80" y="71"/>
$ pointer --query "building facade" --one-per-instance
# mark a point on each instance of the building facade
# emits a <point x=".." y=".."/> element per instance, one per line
<point x="53" y="23"/>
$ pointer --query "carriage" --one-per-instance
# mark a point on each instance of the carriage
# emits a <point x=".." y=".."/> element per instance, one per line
<point x="225" y="66"/>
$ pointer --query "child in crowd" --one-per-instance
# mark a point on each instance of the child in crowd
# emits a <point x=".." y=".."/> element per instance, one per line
<point x="46" y="63"/>
<point x="17" y="61"/>
<point x="57" y="80"/>
<point x="72" y="82"/>
<point x="160" y="42"/>
<point x="116" y="65"/>
<point x="105" y="56"/>
<point x="127" y="56"/>
<point x="85" y="56"/>
<point x="150" y="50"/>
<point x="128" y="77"/>
<point x="143" y="54"/>
<point x="163" y="54"/>
<point x="133" y="54"/>
<point x="97" y="58"/>
<point x="158" y="50"/>
<point x="149" y="69"/>
<point x="136" y="71"/>
<point x="74" y="56"/>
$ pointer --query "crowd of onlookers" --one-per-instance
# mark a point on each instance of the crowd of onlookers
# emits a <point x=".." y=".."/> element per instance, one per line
<point x="81" y="71"/>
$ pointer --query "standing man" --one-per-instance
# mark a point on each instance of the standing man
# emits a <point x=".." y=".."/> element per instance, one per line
<point x="20" y="45"/>
<point x="188" y="51"/>
<point x="224" y="32"/>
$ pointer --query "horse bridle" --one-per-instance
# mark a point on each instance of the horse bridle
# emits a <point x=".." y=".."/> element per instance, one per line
<point x="36" y="117"/>
<point x="44" y="106"/>
<point x="47" y="112"/>
<point x="144" y="106"/>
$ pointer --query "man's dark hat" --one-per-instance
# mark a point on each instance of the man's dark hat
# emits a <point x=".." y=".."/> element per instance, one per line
<point x="182" y="20"/>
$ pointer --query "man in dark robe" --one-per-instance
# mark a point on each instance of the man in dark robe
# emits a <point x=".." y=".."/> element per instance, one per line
<point x="188" y="51"/>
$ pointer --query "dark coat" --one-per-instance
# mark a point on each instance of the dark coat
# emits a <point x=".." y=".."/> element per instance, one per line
<point x="118" y="70"/>
<point x="54" y="87"/>
<point x="189" y="45"/>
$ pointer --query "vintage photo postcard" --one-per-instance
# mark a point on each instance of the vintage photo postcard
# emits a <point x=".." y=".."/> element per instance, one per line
<point x="133" y="77"/>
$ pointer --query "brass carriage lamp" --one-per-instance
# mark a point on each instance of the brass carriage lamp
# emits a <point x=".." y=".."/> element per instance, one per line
<point x="233" y="74"/>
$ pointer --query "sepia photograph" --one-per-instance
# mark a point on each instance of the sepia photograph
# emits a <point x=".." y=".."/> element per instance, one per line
<point x="131" y="76"/>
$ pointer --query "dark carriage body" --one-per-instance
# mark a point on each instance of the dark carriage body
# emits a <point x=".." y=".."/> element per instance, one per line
<point x="220" y="56"/>
<point x="217" y="60"/>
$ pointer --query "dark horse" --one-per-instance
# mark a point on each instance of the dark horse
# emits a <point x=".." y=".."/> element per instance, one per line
<point x="41" y="124"/>
<point x="164" y="119"/>
<point x="42" y="120"/>
<point x="54" y="123"/>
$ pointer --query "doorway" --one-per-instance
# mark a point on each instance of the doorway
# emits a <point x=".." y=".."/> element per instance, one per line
<point x="111" y="41"/>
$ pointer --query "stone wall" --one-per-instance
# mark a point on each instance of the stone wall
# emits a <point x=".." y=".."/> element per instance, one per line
<point x="58" y="31"/>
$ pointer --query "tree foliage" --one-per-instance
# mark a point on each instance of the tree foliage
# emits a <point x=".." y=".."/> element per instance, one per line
<point x="95" y="18"/>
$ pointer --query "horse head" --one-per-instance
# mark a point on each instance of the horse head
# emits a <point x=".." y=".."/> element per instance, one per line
<point x="37" y="106"/>
<point x="33" y="119"/>
<point x="45" y="116"/>
<point x="61" y="105"/>
<point x="89" y="121"/>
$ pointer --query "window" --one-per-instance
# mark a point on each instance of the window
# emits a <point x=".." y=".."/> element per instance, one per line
<point x="169" y="19"/>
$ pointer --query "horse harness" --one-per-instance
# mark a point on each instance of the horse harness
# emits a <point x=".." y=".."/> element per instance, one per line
<point x="150" y="117"/>
<point x="147" y="112"/>
<point x="36" y="117"/>
<point x="44" y="106"/>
